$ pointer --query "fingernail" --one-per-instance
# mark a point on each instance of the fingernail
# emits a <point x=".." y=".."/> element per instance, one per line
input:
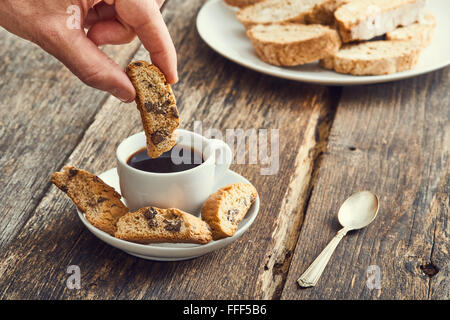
<point x="174" y="79"/>
<point x="122" y="95"/>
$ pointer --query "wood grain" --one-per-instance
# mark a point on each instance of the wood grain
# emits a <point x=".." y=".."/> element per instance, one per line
<point x="392" y="139"/>
<point x="45" y="112"/>
<point x="221" y="95"/>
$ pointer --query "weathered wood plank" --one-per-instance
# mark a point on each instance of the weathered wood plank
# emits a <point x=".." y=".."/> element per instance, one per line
<point x="45" y="111"/>
<point x="439" y="284"/>
<point x="393" y="139"/>
<point x="221" y="95"/>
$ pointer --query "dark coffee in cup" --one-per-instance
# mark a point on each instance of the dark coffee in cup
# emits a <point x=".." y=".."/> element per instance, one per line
<point x="182" y="159"/>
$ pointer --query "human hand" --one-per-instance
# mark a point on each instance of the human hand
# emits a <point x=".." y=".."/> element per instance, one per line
<point x="45" y="22"/>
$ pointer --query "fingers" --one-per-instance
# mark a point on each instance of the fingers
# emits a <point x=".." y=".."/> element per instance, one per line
<point x="91" y="65"/>
<point x="101" y="11"/>
<point x="82" y="56"/>
<point x="117" y="22"/>
<point x="110" y="32"/>
<point x="104" y="28"/>
<point x="146" y="20"/>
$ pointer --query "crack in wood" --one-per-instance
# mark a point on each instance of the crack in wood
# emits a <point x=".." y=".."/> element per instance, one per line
<point x="441" y="198"/>
<point x="294" y="206"/>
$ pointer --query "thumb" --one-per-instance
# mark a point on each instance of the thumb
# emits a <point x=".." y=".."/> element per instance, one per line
<point x="92" y="66"/>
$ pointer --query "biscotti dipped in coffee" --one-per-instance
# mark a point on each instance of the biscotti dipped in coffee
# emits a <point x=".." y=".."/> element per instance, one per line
<point x="422" y="31"/>
<point x="225" y="209"/>
<point x="154" y="225"/>
<point x="99" y="202"/>
<point x="374" y="57"/>
<point x="366" y="19"/>
<point x="293" y="44"/>
<point x="157" y="106"/>
<point x="276" y="11"/>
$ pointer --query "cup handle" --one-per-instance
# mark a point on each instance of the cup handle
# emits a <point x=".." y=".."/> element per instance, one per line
<point x="223" y="162"/>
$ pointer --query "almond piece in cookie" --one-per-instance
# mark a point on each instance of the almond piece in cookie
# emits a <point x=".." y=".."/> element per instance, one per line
<point x="152" y="225"/>
<point x="226" y="208"/>
<point x="99" y="202"/>
<point x="157" y="106"/>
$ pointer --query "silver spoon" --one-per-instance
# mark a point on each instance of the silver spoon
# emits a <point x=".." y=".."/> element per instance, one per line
<point x="356" y="212"/>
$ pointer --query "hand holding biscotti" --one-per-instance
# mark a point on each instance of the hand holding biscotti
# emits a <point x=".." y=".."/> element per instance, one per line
<point x="45" y="22"/>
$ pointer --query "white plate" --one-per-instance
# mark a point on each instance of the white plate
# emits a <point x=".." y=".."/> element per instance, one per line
<point x="219" y="28"/>
<point x="172" y="251"/>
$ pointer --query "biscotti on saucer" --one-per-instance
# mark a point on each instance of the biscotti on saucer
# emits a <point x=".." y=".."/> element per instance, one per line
<point x="154" y="225"/>
<point x="99" y="202"/>
<point x="293" y="44"/>
<point x="157" y="106"/>
<point x="226" y="208"/>
<point x="374" y="57"/>
<point x="366" y="19"/>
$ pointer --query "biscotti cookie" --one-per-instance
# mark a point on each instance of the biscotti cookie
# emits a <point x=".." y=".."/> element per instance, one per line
<point x="374" y="57"/>
<point x="157" y="106"/>
<point x="99" y="202"/>
<point x="276" y="11"/>
<point x="323" y="12"/>
<point x="366" y="19"/>
<point x="241" y="3"/>
<point x="421" y="31"/>
<point x="226" y="208"/>
<point x="152" y="225"/>
<point x="293" y="44"/>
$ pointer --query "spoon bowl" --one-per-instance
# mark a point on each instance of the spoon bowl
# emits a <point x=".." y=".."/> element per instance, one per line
<point x="359" y="210"/>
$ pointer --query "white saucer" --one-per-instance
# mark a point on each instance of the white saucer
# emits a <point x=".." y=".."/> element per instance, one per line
<point x="219" y="28"/>
<point x="172" y="251"/>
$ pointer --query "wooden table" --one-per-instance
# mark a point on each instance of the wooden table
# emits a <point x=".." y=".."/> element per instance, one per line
<point x="391" y="138"/>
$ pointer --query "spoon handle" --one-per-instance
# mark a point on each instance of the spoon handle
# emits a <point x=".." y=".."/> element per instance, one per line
<point x="310" y="277"/>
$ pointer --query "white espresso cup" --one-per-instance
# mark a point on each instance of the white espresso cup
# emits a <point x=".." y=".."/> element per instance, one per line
<point x="186" y="190"/>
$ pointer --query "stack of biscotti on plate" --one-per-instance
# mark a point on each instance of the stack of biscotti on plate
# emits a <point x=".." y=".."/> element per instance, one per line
<point x="344" y="35"/>
<point x="290" y="32"/>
